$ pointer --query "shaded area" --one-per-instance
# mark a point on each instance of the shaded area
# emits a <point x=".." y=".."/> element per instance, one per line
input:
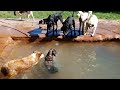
<point x="73" y="34"/>
<point x="34" y="34"/>
<point x="50" y="33"/>
<point x="59" y="35"/>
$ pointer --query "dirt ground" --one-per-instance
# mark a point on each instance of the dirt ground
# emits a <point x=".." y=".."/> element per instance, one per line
<point x="14" y="27"/>
<point x="104" y="26"/>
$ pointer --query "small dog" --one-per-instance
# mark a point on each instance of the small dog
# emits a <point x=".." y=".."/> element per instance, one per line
<point x="67" y="25"/>
<point x="52" y="20"/>
<point x="49" y="61"/>
<point x="15" y="67"/>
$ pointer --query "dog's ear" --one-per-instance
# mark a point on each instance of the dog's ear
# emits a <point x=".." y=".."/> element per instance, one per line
<point x="54" y="50"/>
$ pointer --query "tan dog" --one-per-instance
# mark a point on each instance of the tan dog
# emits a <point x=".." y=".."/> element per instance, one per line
<point x="15" y="67"/>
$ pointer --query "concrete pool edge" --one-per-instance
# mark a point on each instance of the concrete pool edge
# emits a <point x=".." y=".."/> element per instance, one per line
<point x="96" y="38"/>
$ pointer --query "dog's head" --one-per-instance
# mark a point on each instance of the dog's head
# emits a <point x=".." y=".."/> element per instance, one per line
<point x="52" y="52"/>
<point x="90" y="12"/>
<point x="59" y="16"/>
<point x="38" y="55"/>
<point x="82" y="15"/>
<point x="45" y="21"/>
<point x="79" y="13"/>
<point x="41" y="22"/>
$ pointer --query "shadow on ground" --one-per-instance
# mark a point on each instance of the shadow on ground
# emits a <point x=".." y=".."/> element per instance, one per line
<point x="34" y="34"/>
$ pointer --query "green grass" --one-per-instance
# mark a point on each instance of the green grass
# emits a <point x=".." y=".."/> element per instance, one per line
<point x="44" y="14"/>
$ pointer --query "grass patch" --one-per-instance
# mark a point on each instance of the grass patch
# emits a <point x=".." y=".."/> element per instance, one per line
<point x="44" y="14"/>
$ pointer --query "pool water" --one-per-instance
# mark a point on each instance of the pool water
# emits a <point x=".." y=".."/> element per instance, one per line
<point x="99" y="60"/>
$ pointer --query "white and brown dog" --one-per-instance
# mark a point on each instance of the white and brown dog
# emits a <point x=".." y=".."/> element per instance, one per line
<point x="29" y="13"/>
<point x="87" y="21"/>
<point x="15" y="67"/>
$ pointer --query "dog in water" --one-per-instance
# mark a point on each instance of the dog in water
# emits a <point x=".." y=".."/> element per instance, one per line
<point x="15" y="67"/>
<point x="49" y="61"/>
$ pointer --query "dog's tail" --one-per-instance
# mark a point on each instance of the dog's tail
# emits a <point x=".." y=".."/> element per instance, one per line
<point x="15" y="13"/>
<point x="73" y="14"/>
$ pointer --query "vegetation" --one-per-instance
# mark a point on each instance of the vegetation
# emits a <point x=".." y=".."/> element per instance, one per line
<point x="44" y="14"/>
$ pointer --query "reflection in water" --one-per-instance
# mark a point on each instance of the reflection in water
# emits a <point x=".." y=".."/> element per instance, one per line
<point x="74" y="60"/>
